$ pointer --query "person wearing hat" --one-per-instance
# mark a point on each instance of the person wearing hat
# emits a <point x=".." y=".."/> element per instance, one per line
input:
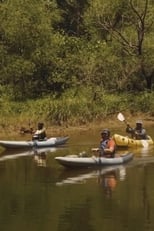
<point x="40" y="133"/>
<point x="107" y="145"/>
<point x="138" y="133"/>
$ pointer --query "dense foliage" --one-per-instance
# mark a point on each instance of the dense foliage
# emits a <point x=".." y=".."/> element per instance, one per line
<point x="49" y="46"/>
<point x="74" y="61"/>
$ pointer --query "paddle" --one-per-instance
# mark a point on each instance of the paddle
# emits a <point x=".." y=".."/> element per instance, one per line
<point x="121" y="118"/>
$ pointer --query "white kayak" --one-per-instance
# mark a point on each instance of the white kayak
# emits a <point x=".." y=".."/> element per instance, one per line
<point x="77" y="161"/>
<point x="51" y="142"/>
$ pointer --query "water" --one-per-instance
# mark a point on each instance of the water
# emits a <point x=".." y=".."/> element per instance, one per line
<point x="38" y="194"/>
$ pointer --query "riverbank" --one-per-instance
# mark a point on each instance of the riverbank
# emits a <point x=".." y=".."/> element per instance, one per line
<point x="111" y="122"/>
<point x="12" y="132"/>
<point x="72" y="113"/>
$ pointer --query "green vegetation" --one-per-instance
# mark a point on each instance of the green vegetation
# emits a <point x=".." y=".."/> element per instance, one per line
<point x="75" y="61"/>
<point x="73" y="108"/>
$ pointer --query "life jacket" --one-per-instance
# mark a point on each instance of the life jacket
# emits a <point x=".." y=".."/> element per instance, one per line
<point x="106" y="144"/>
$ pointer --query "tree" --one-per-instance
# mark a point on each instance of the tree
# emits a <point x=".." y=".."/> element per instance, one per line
<point x="27" y="43"/>
<point x="72" y="16"/>
<point x="130" y="24"/>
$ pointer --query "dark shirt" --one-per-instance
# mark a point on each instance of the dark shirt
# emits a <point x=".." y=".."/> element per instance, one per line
<point x="138" y="134"/>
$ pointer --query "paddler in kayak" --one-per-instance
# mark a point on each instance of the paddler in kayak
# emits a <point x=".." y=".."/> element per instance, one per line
<point x="137" y="133"/>
<point x="107" y="145"/>
<point x="40" y="133"/>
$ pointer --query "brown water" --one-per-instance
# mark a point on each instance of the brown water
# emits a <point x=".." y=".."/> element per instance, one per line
<point x="38" y="194"/>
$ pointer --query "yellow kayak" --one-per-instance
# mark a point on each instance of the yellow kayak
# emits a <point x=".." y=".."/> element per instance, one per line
<point x="124" y="141"/>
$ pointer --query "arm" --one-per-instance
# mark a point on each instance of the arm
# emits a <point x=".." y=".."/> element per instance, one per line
<point x="98" y="149"/>
<point x="95" y="149"/>
<point x="40" y="131"/>
<point x="109" y="149"/>
<point x="129" y="129"/>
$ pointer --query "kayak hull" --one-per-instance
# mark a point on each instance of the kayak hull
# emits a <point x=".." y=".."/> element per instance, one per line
<point x="76" y="161"/>
<point x="51" y="142"/>
<point x="124" y="141"/>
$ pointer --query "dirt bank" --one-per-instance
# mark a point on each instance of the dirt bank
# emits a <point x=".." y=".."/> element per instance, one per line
<point x="13" y="131"/>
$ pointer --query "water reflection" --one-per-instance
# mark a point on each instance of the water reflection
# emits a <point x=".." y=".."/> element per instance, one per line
<point x="108" y="181"/>
<point x="51" y="197"/>
<point x="40" y="155"/>
<point x="102" y="175"/>
<point x="40" y="158"/>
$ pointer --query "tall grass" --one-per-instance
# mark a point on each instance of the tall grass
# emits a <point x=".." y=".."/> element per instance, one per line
<point x="73" y="108"/>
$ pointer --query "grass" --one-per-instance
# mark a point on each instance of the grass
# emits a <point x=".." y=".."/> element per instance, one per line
<point x="72" y="109"/>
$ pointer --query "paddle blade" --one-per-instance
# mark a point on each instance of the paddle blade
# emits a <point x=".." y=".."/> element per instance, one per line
<point x="121" y="117"/>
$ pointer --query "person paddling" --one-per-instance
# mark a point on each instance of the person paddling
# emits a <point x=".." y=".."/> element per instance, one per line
<point x="40" y="133"/>
<point x="107" y="145"/>
<point x="138" y="133"/>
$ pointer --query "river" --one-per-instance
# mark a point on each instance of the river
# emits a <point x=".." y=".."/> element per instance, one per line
<point x="37" y="194"/>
